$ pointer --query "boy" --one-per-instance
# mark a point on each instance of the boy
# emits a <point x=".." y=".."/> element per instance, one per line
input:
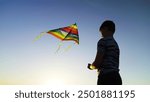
<point x="107" y="57"/>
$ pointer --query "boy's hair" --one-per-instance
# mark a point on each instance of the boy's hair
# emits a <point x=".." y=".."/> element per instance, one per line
<point x="109" y="24"/>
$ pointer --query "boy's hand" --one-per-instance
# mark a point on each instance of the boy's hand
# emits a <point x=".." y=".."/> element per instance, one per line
<point x="91" y="67"/>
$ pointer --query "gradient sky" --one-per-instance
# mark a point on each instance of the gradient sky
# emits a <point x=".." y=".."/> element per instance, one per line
<point x="25" y="62"/>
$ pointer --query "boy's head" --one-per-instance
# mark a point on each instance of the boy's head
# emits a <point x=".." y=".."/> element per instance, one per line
<point x="107" y="28"/>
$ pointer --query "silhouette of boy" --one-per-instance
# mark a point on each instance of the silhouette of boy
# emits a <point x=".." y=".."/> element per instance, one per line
<point x="107" y="57"/>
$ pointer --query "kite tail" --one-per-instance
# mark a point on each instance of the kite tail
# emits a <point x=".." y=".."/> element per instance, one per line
<point x="39" y="36"/>
<point x="59" y="46"/>
<point x="68" y="48"/>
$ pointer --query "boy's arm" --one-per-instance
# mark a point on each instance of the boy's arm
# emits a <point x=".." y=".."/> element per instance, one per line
<point x="98" y="59"/>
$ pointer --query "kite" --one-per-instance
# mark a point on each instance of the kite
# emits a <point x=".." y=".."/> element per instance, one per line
<point x="66" y="33"/>
<point x="69" y="33"/>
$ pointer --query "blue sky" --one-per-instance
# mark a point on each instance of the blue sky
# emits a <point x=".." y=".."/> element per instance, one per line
<point x="25" y="62"/>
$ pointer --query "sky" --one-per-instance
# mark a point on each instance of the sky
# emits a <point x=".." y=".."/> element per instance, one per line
<point x="23" y="62"/>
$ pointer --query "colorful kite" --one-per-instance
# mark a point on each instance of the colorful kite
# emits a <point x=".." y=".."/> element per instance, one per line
<point x="66" y="33"/>
<point x="69" y="33"/>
